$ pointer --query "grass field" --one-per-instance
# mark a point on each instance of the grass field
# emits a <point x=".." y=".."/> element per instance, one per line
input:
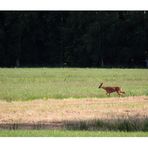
<point x="42" y="95"/>
<point x="43" y="83"/>
<point x="69" y="133"/>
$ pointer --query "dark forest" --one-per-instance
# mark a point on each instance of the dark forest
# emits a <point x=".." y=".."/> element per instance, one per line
<point x="73" y="38"/>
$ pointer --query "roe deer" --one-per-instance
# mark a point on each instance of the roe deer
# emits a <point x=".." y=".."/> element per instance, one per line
<point x="110" y="89"/>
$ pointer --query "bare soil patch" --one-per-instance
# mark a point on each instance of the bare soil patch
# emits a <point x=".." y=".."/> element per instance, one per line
<point x="53" y="113"/>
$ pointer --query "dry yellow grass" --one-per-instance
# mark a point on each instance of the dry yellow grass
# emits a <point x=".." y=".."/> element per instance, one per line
<point x="52" y="110"/>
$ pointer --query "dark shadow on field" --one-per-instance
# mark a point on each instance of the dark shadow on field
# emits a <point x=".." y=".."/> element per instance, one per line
<point x="130" y="124"/>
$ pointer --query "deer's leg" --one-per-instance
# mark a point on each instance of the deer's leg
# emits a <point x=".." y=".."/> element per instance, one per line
<point x="122" y="92"/>
<point x="119" y="94"/>
<point x="108" y="94"/>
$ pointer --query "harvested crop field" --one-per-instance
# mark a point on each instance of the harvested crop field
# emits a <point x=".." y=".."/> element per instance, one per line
<point x="71" y="113"/>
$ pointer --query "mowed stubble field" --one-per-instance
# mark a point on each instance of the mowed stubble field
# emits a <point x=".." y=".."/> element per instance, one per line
<point x="70" y="97"/>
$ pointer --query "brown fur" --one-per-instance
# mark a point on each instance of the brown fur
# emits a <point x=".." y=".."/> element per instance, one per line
<point x="110" y="90"/>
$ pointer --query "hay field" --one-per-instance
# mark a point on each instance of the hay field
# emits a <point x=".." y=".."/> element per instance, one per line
<point x="59" y="114"/>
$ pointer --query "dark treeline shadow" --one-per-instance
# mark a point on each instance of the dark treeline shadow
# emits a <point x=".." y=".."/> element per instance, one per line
<point x="73" y="39"/>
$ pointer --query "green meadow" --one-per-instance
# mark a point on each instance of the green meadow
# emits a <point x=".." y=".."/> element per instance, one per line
<point x="69" y="133"/>
<point x="45" y="83"/>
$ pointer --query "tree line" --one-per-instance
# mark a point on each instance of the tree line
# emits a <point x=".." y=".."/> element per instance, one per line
<point x="73" y="38"/>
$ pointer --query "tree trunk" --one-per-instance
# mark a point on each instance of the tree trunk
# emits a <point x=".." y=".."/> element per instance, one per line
<point x="18" y="51"/>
